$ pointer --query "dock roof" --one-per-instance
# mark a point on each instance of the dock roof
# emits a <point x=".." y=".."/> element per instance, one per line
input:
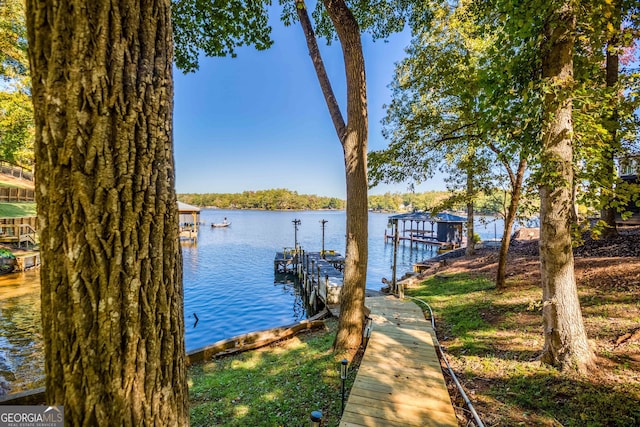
<point x="185" y="208"/>
<point x="426" y="216"/>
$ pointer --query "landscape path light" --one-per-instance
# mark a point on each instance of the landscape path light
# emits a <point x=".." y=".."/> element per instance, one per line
<point x="343" y="377"/>
<point x="316" y="419"/>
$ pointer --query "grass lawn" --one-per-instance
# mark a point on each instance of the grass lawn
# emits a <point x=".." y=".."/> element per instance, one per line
<point x="15" y="210"/>
<point x="279" y="385"/>
<point x="493" y="338"/>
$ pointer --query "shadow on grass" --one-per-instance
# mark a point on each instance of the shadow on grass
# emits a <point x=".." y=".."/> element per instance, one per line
<point x="548" y="398"/>
<point x="495" y="336"/>
<point x="276" y="386"/>
<point x="452" y="284"/>
<point x="471" y="322"/>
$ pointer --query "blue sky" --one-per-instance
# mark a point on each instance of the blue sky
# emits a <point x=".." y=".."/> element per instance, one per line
<point x="259" y="121"/>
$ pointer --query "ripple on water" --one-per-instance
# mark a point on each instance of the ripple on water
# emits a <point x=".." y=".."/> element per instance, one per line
<point x="21" y="344"/>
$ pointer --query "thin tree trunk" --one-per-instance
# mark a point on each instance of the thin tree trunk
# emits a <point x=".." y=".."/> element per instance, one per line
<point x="608" y="212"/>
<point x="111" y="278"/>
<point x="321" y="72"/>
<point x="354" y="144"/>
<point x="516" y="195"/>
<point x="566" y="343"/>
<point x="471" y="244"/>
<point x="353" y="137"/>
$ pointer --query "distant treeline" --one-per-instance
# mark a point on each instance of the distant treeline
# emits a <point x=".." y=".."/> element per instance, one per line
<point x="396" y="202"/>
<point x="282" y="199"/>
<point x="278" y="199"/>
<point x="429" y="201"/>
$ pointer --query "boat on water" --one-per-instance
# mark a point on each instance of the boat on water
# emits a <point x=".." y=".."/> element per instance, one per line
<point x="222" y="224"/>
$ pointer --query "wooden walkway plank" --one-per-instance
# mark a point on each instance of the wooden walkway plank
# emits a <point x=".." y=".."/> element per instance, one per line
<point x="423" y="387"/>
<point x="399" y="381"/>
<point x="412" y="412"/>
<point x="406" y="396"/>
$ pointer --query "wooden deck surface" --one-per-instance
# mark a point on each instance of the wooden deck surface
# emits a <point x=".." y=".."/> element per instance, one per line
<point x="399" y="382"/>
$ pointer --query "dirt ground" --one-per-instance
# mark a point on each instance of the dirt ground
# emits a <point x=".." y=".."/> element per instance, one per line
<point x="608" y="279"/>
<point x="611" y="264"/>
<point x="603" y="266"/>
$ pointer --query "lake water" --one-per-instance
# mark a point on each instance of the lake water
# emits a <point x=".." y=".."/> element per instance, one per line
<point x="229" y="281"/>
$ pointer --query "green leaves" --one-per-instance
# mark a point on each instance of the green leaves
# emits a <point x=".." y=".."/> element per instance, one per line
<point x="16" y="110"/>
<point x="379" y="18"/>
<point x="14" y="63"/>
<point x="437" y="118"/>
<point x="217" y="28"/>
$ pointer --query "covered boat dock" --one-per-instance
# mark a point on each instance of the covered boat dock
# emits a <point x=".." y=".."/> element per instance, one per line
<point x="189" y="222"/>
<point x="441" y="229"/>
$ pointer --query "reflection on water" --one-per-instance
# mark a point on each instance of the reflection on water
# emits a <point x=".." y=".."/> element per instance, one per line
<point x="228" y="277"/>
<point x="21" y="344"/>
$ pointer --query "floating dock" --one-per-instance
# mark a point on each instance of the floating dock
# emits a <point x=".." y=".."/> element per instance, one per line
<point x="320" y="273"/>
<point x="27" y="261"/>
<point x="286" y="262"/>
<point x="189" y="235"/>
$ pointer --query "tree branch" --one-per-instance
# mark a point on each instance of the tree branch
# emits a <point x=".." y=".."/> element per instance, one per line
<point x="321" y="72"/>
<point x="506" y="164"/>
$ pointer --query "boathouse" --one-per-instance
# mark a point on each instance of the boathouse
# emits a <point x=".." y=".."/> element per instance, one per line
<point x="441" y="229"/>
<point x="189" y="215"/>
<point x="189" y="222"/>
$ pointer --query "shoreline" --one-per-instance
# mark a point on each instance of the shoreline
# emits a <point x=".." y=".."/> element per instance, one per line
<point x="225" y="347"/>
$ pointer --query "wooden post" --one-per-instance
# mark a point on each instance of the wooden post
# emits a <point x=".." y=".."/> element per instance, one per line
<point x="313" y="269"/>
<point x="396" y="240"/>
<point x="315" y="300"/>
<point x="411" y="234"/>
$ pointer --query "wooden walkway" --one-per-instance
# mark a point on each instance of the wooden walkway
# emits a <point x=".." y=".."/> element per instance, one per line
<point x="399" y="382"/>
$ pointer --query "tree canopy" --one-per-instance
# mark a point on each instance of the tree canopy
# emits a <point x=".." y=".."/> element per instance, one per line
<point x="217" y="28"/>
<point x="16" y="110"/>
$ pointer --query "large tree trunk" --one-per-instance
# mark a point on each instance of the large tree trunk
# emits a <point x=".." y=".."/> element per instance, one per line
<point x="112" y="303"/>
<point x="566" y="343"/>
<point x="516" y="195"/>
<point x="353" y="137"/>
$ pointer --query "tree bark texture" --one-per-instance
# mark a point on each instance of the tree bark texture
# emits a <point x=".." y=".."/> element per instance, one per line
<point x="516" y="194"/>
<point x="111" y="278"/>
<point x="566" y="343"/>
